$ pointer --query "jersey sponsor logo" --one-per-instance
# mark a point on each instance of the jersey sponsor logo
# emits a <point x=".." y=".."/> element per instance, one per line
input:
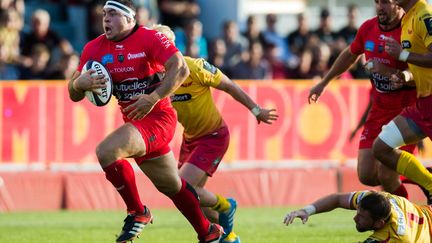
<point x="207" y="66"/>
<point x="108" y="58"/>
<point x="181" y="97"/>
<point x="428" y="24"/>
<point x="369" y="46"/>
<point x="406" y="44"/>
<point x="401" y="225"/>
<point x="163" y="39"/>
<point x="131" y="87"/>
<point x="136" y="55"/>
<point x="122" y="70"/>
<point x="383" y="84"/>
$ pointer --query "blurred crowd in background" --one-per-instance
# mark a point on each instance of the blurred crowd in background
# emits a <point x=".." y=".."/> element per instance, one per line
<point x="30" y="49"/>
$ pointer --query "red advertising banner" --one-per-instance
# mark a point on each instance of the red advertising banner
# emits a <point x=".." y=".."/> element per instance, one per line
<point x="39" y="124"/>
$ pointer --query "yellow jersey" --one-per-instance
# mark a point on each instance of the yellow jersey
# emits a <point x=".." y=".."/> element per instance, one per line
<point x="408" y="223"/>
<point x="193" y="100"/>
<point x="416" y="36"/>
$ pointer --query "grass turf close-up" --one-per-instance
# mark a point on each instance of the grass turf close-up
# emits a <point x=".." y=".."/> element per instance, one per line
<point x="253" y="225"/>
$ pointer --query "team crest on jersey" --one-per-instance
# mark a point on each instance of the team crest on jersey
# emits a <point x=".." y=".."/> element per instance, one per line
<point x="207" y="66"/>
<point x="120" y="58"/>
<point x="428" y="24"/>
<point x="369" y="46"/>
<point x="108" y="58"/>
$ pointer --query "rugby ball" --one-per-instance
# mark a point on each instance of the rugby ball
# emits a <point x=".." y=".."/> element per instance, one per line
<point x="105" y="94"/>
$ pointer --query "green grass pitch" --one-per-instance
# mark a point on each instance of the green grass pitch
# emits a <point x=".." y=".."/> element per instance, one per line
<point x="254" y="225"/>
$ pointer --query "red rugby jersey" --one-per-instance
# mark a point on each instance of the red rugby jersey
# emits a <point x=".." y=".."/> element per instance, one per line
<point x="132" y="62"/>
<point x="369" y="41"/>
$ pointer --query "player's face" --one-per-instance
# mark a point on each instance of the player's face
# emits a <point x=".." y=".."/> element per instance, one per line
<point x="363" y="221"/>
<point x="387" y="11"/>
<point x="115" y="24"/>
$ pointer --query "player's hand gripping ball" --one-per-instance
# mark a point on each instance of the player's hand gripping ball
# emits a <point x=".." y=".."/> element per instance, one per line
<point x="102" y="95"/>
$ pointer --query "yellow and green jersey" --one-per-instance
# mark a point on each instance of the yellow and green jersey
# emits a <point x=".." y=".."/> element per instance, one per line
<point x="408" y="223"/>
<point x="193" y="100"/>
<point x="416" y="36"/>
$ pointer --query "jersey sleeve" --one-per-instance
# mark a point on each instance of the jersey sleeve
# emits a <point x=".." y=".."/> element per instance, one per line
<point x="158" y="46"/>
<point x="356" y="197"/>
<point x="205" y="73"/>
<point x="85" y="55"/>
<point x="424" y="26"/>
<point x="357" y="46"/>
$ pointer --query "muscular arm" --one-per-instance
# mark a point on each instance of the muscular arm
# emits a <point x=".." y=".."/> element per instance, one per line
<point x="422" y="60"/>
<point x="227" y="85"/>
<point x="74" y="94"/>
<point x="325" y="204"/>
<point x="236" y="92"/>
<point x="176" y="73"/>
<point x="342" y="63"/>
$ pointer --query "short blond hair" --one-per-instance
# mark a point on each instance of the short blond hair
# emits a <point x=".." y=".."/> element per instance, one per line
<point x="166" y="30"/>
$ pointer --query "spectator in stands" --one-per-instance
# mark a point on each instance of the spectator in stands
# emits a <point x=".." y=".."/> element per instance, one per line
<point x="8" y="71"/>
<point x="42" y="34"/>
<point x="234" y="42"/>
<point x="192" y="43"/>
<point x="314" y="60"/>
<point x="254" y="67"/>
<point x="252" y="32"/>
<point x="324" y="31"/>
<point x="178" y="13"/>
<point x="279" y="69"/>
<point x="65" y="68"/>
<point x="349" y="32"/>
<point x="217" y="52"/>
<point x="143" y="17"/>
<point x="17" y="5"/>
<point x="10" y="35"/>
<point x="298" y="38"/>
<point x="94" y="22"/>
<point x="271" y="37"/>
<point x="40" y="57"/>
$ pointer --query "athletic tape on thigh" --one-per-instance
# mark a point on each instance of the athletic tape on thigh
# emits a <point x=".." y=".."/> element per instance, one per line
<point x="391" y="135"/>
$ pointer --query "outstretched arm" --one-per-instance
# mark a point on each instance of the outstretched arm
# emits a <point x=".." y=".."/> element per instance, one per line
<point x="261" y="114"/>
<point x="325" y="204"/>
<point x="342" y="63"/>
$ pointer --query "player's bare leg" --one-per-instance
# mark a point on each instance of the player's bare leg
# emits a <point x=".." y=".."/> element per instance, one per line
<point x="367" y="168"/>
<point x="163" y="172"/>
<point x="125" y="142"/>
<point x="397" y="133"/>
<point x="216" y="207"/>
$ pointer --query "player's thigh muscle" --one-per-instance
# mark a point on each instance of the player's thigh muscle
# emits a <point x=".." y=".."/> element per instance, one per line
<point x="125" y="141"/>
<point x="367" y="167"/>
<point x="162" y="171"/>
